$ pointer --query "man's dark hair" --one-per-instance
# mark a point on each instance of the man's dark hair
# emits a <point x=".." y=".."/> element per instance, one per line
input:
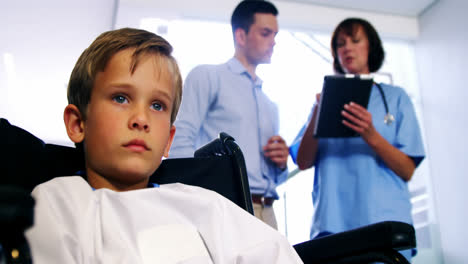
<point x="350" y="27"/>
<point x="243" y="15"/>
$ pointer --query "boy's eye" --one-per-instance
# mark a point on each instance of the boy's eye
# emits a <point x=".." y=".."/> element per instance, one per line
<point x="157" y="106"/>
<point x="356" y="40"/>
<point x="120" y="99"/>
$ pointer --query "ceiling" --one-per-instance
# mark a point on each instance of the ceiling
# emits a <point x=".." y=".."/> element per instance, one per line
<point x="412" y="8"/>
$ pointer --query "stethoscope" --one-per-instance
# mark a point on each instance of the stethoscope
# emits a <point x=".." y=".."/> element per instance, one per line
<point x="389" y="118"/>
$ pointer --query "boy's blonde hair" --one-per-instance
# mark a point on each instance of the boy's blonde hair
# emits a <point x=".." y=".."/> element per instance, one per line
<point x="95" y="58"/>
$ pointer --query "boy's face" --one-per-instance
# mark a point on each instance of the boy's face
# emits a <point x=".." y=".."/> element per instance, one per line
<point x="128" y="127"/>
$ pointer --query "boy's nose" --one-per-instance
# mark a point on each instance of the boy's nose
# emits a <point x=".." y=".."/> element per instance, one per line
<point x="140" y="125"/>
<point x="139" y="121"/>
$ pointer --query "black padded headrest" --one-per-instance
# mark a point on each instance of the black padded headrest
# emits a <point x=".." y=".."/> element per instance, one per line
<point x="27" y="161"/>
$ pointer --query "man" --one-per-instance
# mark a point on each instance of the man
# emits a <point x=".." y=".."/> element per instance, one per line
<point x="228" y="97"/>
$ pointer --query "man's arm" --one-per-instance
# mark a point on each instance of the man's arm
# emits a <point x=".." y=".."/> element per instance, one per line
<point x="198" y="94"/>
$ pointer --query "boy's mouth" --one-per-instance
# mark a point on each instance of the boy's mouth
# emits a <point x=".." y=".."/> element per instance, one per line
<point x="137" y="145"/>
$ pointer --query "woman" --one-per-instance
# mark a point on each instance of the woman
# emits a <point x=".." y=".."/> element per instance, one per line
<point x="362" y="180"/>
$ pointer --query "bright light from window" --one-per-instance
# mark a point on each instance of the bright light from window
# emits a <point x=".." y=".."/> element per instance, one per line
<point x="9" y="67"/>
<point x="11" y="82"/>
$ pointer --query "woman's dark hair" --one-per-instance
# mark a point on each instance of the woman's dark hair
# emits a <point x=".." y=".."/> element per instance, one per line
<point x="349" y="27"/>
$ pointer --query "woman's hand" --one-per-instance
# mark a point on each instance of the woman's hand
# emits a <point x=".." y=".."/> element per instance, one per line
<point x="360" y="120"/>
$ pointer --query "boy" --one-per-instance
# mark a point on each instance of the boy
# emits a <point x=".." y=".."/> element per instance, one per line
<point x="124" y="94"/>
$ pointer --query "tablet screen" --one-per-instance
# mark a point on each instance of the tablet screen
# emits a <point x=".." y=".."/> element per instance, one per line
<point x="337" y="91"/>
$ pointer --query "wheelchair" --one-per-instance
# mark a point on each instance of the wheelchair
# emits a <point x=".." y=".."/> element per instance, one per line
<point x="27" y="161"/>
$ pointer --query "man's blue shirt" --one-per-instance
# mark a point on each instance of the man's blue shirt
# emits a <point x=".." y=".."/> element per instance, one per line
<point x="225" y="98"/>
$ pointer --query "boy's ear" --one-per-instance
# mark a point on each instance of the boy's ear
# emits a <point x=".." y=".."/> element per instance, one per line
<point x="74" y="123"/>
<point x="169" y="141"/>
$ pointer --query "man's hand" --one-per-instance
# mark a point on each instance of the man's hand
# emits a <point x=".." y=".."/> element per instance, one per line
<point x="277" y="151"/>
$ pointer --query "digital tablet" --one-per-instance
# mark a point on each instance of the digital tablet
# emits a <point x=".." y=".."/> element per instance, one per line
<point x="337" y="91"/>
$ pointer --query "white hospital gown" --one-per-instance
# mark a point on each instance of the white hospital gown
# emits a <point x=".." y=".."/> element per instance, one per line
<point x="174" y="223"/>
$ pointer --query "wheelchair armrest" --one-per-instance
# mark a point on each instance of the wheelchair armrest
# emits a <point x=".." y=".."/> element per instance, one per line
<point x="16" y="213"/>
<point x="225" y="145"/>
<point x="381" y="236"/>
<point x="217" y="147"/>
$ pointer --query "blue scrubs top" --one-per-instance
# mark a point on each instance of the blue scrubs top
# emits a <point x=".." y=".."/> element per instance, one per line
<point x="352" y="186"/>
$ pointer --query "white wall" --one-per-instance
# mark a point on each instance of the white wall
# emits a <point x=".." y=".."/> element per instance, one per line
<point x="441" y="58"/>
<point x="292" y="15"/>
<point x="316" y="17"/>
<point x="40" y="42"/>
